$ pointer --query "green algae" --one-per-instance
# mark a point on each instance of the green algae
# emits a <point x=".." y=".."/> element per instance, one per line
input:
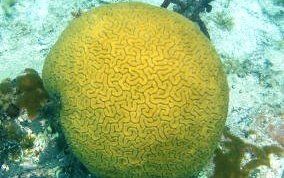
<point x="24" y="92"/>
<point x="228" y="159"/>
<point x="30" y="92"/>
<point x="224" y="21"/>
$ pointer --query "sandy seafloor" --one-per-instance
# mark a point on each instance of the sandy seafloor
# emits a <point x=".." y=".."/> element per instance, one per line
<point x="251" y="48"/>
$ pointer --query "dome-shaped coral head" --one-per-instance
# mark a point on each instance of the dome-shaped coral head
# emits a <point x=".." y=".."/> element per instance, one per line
<point x="143" y="91"/>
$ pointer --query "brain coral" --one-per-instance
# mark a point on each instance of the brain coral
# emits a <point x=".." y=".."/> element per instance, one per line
<point x="143" y="92"/>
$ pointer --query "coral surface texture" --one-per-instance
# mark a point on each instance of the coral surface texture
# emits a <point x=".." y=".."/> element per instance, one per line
<point x="143" y="92"/>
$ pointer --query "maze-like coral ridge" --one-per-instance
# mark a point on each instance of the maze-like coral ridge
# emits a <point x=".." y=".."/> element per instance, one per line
<point x="143" y="92"/>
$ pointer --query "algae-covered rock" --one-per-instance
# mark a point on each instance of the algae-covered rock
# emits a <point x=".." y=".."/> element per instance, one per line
<point x="142" y="90"/>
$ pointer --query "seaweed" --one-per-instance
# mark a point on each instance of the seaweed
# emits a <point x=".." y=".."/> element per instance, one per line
<point x="224" y="21"/>
<point x="27" y="142"/>
<point x="24" y="92"/>
<point x="31" y="94"/>
<point x="77" y="13"/>
<point x="191" y="9"/>
<point x="165" y="3"/>
<point x="30" y="80"/>
<point x="228" y="159"/>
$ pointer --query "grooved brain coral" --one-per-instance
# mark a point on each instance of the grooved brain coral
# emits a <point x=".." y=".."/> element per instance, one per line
<point x="143" y="91"/>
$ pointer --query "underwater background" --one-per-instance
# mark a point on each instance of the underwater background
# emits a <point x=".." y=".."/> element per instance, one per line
<point x="248" y="36"/>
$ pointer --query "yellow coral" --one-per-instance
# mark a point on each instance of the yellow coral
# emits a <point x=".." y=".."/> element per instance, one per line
<point x="143" y="91"/>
